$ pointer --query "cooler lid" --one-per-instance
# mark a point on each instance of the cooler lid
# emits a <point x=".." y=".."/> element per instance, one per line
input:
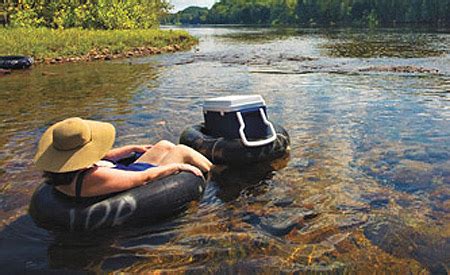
<point x="233" y="103"/>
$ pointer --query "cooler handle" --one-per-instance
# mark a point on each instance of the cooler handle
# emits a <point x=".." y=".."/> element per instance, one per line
<point x="258" y="142"/>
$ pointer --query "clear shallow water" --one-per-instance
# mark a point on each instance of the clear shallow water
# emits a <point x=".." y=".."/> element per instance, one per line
<point x="367" y="185"/>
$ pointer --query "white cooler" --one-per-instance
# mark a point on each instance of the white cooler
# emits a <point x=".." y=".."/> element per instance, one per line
<point x="239" y="116"/>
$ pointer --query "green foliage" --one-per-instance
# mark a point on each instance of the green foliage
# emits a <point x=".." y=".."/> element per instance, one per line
<point x="49" y="43"/>
<point x="92" y="14"/>
<point x="26" y="17"/>
<point x="324" y="12"/>
<point x="191" y="15"/>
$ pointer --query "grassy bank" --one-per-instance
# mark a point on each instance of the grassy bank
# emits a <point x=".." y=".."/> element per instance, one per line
<point x="54" y="45"/>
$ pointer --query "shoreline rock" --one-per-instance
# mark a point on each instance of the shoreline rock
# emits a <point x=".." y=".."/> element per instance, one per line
<point x="105" y="54"/>
<point x="400" y="69"/>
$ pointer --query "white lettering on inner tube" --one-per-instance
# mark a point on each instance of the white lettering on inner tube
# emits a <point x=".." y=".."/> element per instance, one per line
<point x="126" y="207"/>
<point x="131" y="203"/>
<point x="107" y="207"/>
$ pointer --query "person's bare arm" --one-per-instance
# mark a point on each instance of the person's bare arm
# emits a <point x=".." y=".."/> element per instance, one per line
<point x="102" y="180"/>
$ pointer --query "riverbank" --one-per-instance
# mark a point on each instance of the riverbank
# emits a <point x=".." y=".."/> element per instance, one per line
<point x="52" y="46"/>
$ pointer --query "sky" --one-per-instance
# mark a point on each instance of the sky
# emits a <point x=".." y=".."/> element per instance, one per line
<point x="182" y="4"/>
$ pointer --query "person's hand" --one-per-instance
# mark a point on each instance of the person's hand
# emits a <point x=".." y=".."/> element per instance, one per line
<point x="189" y="168"/>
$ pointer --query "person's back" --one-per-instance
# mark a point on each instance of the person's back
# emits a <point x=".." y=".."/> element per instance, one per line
<point x="77" y="159"/>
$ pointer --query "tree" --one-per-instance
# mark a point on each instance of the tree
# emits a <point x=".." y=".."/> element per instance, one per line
<point x="326" y="12"/>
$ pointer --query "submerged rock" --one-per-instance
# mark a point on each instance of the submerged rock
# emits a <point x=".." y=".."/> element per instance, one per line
<point x="396" y="238"/>
<point x="302" y="164"/>
<point x="283" y="202"/>
<point x="300" y="58"/>
<point x="411" y="175"/>
<point x="352" y="220"/>
<point x="280" y="223"/>
<point x="411" y="169"/>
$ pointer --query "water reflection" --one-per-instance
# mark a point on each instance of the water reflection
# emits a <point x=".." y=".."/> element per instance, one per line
<point x="373" y="44"/>
<point x="258" y="36"/>
<point x="60" y="251"/>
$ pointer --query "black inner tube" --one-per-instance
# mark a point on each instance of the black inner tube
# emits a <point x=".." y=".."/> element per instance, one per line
<point x="154" y="202"/>
<point x="15" y="62"/>
<point x="233" y="152"/>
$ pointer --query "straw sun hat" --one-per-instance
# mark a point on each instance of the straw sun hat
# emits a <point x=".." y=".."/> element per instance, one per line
<point x="73" y="144"/>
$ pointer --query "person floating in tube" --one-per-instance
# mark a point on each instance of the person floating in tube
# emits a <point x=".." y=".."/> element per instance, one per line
<point x="76" y="157"/>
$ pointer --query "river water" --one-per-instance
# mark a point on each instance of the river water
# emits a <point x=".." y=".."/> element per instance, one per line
<point x="366" y="187"/>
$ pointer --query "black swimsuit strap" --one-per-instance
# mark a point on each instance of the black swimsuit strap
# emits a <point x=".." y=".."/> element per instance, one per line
<point x="79" y="184"/>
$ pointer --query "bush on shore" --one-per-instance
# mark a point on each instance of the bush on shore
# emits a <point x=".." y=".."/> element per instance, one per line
<point x="89" y="14"/>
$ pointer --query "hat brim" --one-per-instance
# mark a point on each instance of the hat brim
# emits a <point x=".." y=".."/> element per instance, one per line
<point x="49" y="159"/>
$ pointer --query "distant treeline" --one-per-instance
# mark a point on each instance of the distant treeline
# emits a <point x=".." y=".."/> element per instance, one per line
<point x="90" y="14"/>
<point x="317" y="12"/>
